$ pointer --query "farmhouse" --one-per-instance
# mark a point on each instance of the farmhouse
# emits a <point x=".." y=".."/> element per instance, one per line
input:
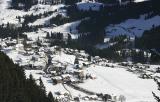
<point x="57" y="80"/>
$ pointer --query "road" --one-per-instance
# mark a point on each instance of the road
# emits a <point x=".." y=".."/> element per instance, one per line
<point x="81" y="89"/>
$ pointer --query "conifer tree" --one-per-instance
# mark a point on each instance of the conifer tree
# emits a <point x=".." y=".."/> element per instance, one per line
<point x="51" y="98"/>
<point x="42" y="87"/>
<point x="156" y="96"/>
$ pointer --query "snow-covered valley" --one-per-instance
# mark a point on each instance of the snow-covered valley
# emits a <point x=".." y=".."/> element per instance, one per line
<point x="70" y="73"/>
<point x="133" y="82"/>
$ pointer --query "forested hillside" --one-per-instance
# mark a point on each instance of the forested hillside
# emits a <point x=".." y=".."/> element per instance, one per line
<point x="150" y="39"/>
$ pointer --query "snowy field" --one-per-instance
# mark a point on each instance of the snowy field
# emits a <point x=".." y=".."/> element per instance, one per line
<point x="118" y="81"/>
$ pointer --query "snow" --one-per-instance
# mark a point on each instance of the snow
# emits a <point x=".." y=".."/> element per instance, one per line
<point x="4" y="4"/>
<point x="46" y="81"/>
<point x="75" y="93"/>
<point x="46" y="8"/>
<point x="18" y="56"/>
<point x="95" y="6"/>
<point x="120" y="82"/>
<point x="139" y="1"/>
<point x="49" y="86"/>
<point x="114" y="81"/>
<point x="13" y="54"/>
<point x="9" y="15"/>
<point x="64" y="58"/>
<point x="65" y="28"/>
<point x="42" y="21"/>
<point x="35" y="35"/>
<point x="37" y="9"/>
<point x="108" y="80"/>
<point x="132" y="27"/>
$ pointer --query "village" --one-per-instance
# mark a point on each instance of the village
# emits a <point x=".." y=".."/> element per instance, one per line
<point x="69" y="67"/>
<point x="62" y="65"/>
<point x="73" y="75"/>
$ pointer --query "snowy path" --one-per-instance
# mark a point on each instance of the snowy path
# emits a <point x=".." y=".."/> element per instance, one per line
<point x="82" y="89"/>
<point x="67" y="90"/>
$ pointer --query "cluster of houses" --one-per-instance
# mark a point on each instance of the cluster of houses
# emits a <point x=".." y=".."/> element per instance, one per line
<point x="143" y="71"/>
<point x="30" y="57"/>
<point x="62" y="65"/>
<point x="44" y="58"/>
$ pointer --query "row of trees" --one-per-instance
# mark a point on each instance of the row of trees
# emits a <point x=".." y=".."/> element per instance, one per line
<point x="31" y="18"/>
<point x="26" y="4"/>
<point x="58" y="36"/>
<point x="71" y="2"/>
<point x="59" y="20"/>
<point x="10" y="30"/>
<point x="14" y="87"/>
<point x="155" y="95"/>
